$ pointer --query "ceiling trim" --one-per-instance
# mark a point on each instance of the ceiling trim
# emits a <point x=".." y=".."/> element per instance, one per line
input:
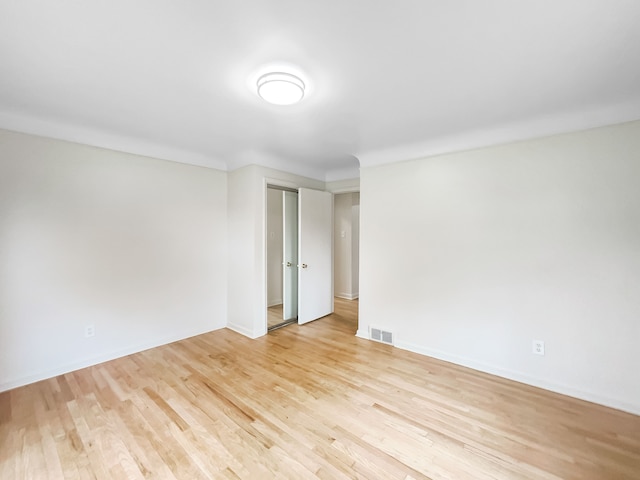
<point x="96" y="138"/>
<point x="591" y="117"/>
<point x="543" y="126"/>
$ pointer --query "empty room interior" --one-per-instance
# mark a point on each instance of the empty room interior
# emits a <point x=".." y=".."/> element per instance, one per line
<point x="336" y="240"/>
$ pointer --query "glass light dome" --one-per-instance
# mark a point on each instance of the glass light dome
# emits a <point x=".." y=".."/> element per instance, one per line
<point x="280" y="88"/>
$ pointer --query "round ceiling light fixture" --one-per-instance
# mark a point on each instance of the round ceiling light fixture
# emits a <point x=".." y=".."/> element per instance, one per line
<point x="280" y="88"/>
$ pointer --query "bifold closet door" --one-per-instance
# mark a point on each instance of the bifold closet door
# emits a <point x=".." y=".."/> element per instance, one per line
<point x="315" y="254"/>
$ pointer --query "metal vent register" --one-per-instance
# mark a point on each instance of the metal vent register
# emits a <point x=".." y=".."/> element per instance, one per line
<point x="380" y="335"/>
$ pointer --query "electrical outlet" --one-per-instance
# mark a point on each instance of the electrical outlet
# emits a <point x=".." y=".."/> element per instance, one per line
<point x="89" y="331"/>
<point x="538" y="347"/>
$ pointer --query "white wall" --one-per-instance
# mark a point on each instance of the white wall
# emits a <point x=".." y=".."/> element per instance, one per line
<point x="274" y="247"/>
<point x="242" y="288"/>
<point x="355" y="244"/>
<point x="132" y="245"/>
<point x="247" y="289"/>
<point x="469" y="257"/>
<point x="346" y="244"/>
<point x="342" y="245"/>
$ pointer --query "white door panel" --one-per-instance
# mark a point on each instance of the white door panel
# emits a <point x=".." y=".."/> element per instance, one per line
<point x="315" y="254"/>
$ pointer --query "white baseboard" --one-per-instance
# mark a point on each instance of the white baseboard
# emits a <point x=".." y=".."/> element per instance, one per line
<point x="242" y="330"/>
<point x="521" y="377"/>
<point x="347" y="296"/>
<point x="362" y="334"/>
<point x="516" y="376"/>
<point x="89" y="362"/>
<point x="274" y="302"/>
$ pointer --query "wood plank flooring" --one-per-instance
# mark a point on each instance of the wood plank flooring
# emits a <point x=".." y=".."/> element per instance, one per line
<point x="309" y="401"/>
<point x="274" y="316"/>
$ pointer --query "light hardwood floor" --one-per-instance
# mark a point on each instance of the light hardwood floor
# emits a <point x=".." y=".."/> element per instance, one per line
<point x="274" y="316"/>
<point x="309" y="401"/>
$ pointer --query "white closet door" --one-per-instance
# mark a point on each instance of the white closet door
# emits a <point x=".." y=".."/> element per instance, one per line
<point x="315" y="254"/>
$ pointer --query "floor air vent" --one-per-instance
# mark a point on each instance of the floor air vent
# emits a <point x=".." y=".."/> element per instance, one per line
<point x="381" y="335"/>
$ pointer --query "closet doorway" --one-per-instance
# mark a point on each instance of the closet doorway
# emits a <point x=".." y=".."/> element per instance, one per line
<point x="299" y="246"/>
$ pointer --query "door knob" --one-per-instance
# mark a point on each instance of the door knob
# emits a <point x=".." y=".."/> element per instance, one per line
<point x="288" y="264"/>
<point x="304" y="265"/>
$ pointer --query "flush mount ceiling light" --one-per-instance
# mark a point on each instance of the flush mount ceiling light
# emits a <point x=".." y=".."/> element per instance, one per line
<point x="280" y="88"/>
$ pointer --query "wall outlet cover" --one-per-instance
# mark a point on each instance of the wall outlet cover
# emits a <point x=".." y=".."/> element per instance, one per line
<point x="537" y="347"/>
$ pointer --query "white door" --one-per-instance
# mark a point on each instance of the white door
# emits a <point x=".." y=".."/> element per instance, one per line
<point x="289" y="255"/>
<point x="315" y="254"/>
